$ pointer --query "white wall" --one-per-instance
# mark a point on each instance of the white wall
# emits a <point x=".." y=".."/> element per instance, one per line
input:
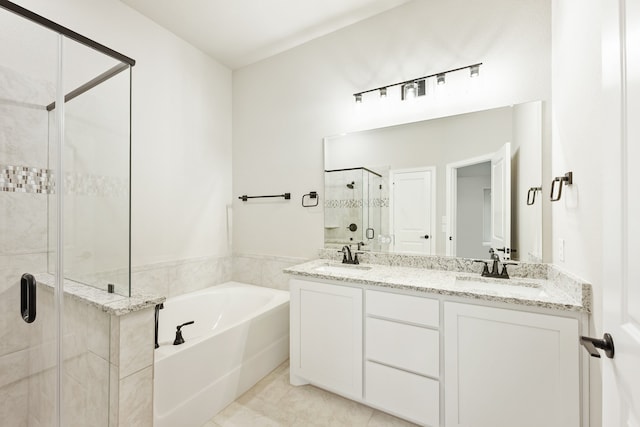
<point x="577" y="147"/>
<point x="181" y="130"/>
<point x="471" y="221"/>
<point x="284" y="105"/>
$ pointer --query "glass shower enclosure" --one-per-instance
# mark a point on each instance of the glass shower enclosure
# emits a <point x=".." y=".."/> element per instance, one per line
<point x="353" y="208"/>
<point x="64" y="214"/>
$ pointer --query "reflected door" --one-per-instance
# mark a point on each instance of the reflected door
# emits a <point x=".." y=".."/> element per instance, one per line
<point x="412" y="209"/>
<point x="501" y="201"/>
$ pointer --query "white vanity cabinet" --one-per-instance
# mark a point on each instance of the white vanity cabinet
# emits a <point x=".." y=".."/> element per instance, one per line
<point x="506" y="368"/>
<point x="437" y="360"/>
<point x="326" y="336"/>
<point x="402" y="352"/>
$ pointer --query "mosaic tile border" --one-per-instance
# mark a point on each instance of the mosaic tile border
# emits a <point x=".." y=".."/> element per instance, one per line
<point x="355" y="203"/>
<point x="26" y="179"/>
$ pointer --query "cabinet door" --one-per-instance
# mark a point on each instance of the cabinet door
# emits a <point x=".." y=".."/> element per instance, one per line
<point x="326" y="336"/>
<point x="507" y="368"/>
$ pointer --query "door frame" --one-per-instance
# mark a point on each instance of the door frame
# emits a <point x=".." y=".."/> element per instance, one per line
<point x="451" y="197"/>
<point x="392" y="230"/>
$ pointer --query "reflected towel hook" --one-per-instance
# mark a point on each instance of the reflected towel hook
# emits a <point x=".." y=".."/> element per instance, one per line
<point x="531" y="195"/>
<point x="567" y="179"/>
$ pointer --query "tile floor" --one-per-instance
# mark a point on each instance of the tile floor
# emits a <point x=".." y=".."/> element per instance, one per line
<point x="274" y="402"/>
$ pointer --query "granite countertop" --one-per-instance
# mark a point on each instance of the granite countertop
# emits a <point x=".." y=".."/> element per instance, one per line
<point x="110" y="303"/>
<point x="558" y="294"/>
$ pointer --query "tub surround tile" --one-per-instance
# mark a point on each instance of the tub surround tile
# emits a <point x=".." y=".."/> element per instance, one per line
<point x="136" y="342"/>
<point x="177" y="277"/>
<point x="247" y="270"/>
<point x="136" y="399"/>
<point x="114" y="395"/>
<point x="263" y="270"/>
<point x="98" y="339"/>
<point x="444" y="282"/>
<point x="193" y="275"/>
<point x="97" y="391"/>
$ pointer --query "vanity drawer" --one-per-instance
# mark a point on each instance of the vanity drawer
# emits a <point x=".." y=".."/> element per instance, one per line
<point x="407" y="395"/>
<point x="404" y="346"/>
<point x="418" y="310"/>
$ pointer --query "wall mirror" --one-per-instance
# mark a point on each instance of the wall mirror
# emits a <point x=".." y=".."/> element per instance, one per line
<point x="454" y="186"/>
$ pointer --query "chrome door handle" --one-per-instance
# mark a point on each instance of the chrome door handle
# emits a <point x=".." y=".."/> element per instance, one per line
<point x="426" y="236"/>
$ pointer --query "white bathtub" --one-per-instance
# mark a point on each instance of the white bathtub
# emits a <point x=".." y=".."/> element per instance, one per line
<point x="240" y="334"/>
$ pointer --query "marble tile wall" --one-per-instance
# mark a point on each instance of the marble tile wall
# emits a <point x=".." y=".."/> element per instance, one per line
<point x="23" y="241"/>
<point x="263" y="270"/>
<point x="85" y="379"/>
<point x="178" y="277"/>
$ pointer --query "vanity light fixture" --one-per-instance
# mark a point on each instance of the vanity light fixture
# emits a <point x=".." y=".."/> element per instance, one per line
<point x="417" y="87"/>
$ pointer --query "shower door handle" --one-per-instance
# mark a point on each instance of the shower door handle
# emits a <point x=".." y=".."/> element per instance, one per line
<point x="28" y="297"/>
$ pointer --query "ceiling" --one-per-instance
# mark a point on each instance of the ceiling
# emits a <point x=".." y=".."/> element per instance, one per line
<point x="241" y="32"/>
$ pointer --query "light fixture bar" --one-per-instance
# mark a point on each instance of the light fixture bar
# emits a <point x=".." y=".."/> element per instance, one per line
<point x="475" y="69"/>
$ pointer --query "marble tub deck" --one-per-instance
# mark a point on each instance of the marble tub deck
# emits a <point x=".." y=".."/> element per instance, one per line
<point x="273" y="402"/>
<point x="569" y="295"/>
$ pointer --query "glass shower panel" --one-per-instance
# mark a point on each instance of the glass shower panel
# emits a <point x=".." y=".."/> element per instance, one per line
<point x="97" y="166"/>
<point x="28" y="82"/>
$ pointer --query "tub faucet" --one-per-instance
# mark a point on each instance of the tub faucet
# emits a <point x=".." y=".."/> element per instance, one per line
<point x="179" y="340"/>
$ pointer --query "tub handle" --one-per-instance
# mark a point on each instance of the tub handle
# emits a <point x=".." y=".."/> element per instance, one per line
<point x="179" y="339"/>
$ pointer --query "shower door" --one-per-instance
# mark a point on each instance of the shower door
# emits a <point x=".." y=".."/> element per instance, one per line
<point x="28" y="351"/>
<point x="64" y="215"/>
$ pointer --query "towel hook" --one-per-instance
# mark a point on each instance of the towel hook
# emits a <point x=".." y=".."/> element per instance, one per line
<point x="567" y="179"/>
<point x="531" y="195"/>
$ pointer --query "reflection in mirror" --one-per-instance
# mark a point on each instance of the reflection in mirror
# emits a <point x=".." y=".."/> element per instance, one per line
<point x="454" y="186"/>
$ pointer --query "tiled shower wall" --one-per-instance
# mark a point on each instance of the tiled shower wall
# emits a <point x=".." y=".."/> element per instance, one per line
<point x="23" y="243"/>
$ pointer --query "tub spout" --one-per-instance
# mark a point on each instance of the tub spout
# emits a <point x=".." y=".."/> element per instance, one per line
<point x="179" y="340"/>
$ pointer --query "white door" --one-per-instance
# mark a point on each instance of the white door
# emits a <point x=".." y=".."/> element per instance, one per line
<point x="621" y="237"/>
<point x="501" y="201"/>
<point x="412" y="213"/>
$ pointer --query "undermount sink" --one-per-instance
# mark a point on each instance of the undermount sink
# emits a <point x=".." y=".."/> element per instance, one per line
<point x="505" y="287"/>
<point x="341" y="268"/>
